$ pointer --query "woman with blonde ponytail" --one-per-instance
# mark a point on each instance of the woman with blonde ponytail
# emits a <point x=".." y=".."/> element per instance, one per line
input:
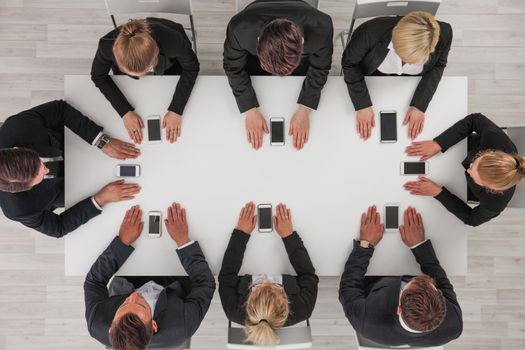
<point x="493" y="168"/>
<point x="416" y="44"/>
<point x="141" y="47"/>
<point x="266" y="303"/>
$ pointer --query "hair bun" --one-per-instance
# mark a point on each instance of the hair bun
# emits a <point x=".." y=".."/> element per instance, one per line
<point x="134" y="27"/>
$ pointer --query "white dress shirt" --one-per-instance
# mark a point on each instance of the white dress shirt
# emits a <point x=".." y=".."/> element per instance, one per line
<point x="392" y="64"/>
<point x="150" y="291"/>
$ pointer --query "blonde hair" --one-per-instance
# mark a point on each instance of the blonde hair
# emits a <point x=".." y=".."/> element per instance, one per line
<point x="415" y="37"/>
<point x="134" y="49"/>
<point x="266" y="312"/>
<point x="499" y="170"/>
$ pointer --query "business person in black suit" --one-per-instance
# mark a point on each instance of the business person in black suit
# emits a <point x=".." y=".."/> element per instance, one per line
<point x="32" y="168"/>
<point x="266" y="303"/>
<point x="415" y="44"/>
<point x="154" y="312"/>
<point x="395" y="311"/>
<point x="492" y="168"/>
<point x="278" y="37"/>
<point x="142" y="47"/>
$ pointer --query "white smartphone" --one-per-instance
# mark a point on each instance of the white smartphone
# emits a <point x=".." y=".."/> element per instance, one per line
<point x="154" y="224"/>
<point x="154" y="129"/>
<point x="414" y="168"/>
<point x="277" y="131"/>
<point x="388" y="121"/>
<point x="392" y="217"/>
<point x="128" y="170"/>
<point x="264" y="214"/>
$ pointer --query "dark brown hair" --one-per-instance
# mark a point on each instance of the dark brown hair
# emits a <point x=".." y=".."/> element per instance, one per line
<point x="130" y="333"/>
<point x="422" y="305"/>
<point x="135" y="49"/>
<point x="18" y="167"/>
<point x="280" y="47"/>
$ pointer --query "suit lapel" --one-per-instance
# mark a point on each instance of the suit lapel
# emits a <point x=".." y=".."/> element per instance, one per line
<point x="379" y="52"/>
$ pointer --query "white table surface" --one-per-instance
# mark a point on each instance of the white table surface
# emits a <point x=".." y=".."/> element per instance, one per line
<point x="213" y="172"/>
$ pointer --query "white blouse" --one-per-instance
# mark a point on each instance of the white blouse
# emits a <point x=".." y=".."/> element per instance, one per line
<point x="392" y="64"/>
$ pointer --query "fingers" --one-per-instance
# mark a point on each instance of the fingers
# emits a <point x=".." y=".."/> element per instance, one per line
<point x="419" y="219"/>
<point x="411" y="218"/>
<point x="259" y="138"/>
<point x="360" y="129"/>
<point x="363" y="219"/>
<point x="405" y="217"/>
<point x="368" y="130"/>
<point x="171" y="215"/>
<point x="127" y="216"/>
<point x="137" y="215"/>
<point x="407" y="118"/>
<point x="265" y="127"/>
<point x="183" y="215"/>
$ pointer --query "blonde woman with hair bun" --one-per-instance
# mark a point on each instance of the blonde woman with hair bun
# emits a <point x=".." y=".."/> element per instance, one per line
<point x="266" y="303"/>
<point x="415" y="45"/>
<point x="493" y="168"/>
<point x="142" y="47"/>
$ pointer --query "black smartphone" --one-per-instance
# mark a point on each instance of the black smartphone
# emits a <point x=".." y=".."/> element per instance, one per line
<point x="388" y="121"/>
<point x="154" y="129"/>
<point x="414" y="168"/>
<point x="128" y="171"/>
<point x="277" y="131"/>
<point x="391" y="217"/>
<point x="264" y="214"/>
<point x="154" y="224"/>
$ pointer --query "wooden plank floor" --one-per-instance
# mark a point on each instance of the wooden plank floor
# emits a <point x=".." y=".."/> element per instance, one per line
<point x="41" y="40"/>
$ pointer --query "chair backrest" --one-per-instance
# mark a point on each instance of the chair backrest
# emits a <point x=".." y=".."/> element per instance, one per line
<point x="290" y="338"/>
<point x="367" y="344"/>
<point x="184" y="346"/>
<point x="120" y="7"/>
<point x="241" y="4"/>
<point x="517" y="135"/>
<point x="375" y="8"/>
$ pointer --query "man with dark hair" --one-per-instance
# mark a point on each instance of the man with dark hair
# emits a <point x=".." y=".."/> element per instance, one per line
<point x="398" y="311"/>
<point x="135" y="312"/>
<point x="32" y="168"/>
<point x="285" y="37"/>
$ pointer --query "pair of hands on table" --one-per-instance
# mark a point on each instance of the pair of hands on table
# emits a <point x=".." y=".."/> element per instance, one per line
<point x="299" y="127"/>
<point x="176" y="225"/>
<point x="282" y="221"/>
<point x="172" y="122"/>
<point x="412" y="231"/>
<point x="423" y="186"/>
<point x="365" y="122"/>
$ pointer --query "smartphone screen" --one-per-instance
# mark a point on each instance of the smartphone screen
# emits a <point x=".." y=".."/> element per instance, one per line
<point x="388" y="127"/>
<point x="154" y="129"/>
<point x="128" y="170"/>
<point x="277" y="131"/>
<point x="154" y="224"/>
<point x="265" y="217"/>
<point x="414" y="168"/>
<point x="392" y="217"/>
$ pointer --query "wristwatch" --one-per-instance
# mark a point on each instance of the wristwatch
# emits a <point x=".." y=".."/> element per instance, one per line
<point x="102" y="141"/>
<point x="365" y="244"/>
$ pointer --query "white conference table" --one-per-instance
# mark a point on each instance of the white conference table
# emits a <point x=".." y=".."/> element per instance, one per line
<point x="213" y="172"/>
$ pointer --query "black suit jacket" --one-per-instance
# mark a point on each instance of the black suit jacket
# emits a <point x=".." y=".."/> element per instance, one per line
<point x="178" y="314"/>
<point x="41" y="129"/>
<point x="372" y="309"/>
<point x="368" y="48"/>
<point x="488" y="136"/>
<point x="174" y="49"/>
<point x="301" y="289"/>
<point x="241" y="42"/>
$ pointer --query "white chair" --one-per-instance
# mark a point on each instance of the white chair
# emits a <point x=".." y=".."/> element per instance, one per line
<point x="375" y="8"/>
<point x="184" y="346"/>
<point x="290" y="338"/>
<point x="241" y="4"/>
<point x="179" y="7"/>
<point x="517" y="135"/>
<point x="366" y="344"/>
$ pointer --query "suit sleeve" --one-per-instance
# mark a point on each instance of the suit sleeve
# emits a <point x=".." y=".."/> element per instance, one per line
<point x="100" y="68"/>
<point x="306" y="277"/>
<point x="320" y="63"/>
<point x="470" y="216"/>
<point x="352" y="287"/>
<point x="426" y="258"/>
<point x="190" y="69"/>
<point x="58" y="225"/>
<point x="475" y="122"/>
<point x="57" y="114"/>
<point x="229" y="275"/>
<point x="197" y="302"/>
<point x="234" y="63"/>
<point x="429" y="82"/>
<point x="95" y="285"/>
<point x="354" y="75"/>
